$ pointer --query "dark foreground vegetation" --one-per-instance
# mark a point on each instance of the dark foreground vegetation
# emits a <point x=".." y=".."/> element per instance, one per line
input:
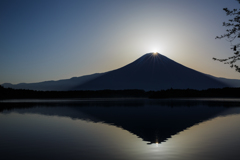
<point x="9" y="93"/>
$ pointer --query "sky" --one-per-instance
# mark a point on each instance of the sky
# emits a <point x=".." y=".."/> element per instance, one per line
<point x="45" y="40"/>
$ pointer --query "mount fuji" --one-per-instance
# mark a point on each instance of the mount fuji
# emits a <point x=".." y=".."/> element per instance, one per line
<point x="152" y="71"/>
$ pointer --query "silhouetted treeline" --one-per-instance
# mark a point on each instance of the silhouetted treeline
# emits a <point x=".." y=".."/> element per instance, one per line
<point x="9" y="93"/>
<point x="191" y="93"/>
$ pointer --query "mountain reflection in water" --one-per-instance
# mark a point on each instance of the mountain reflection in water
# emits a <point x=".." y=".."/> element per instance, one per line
<point x="153" y="121"/>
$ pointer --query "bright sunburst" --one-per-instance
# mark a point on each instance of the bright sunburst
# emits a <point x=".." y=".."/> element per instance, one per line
<point x="154" y="52"/>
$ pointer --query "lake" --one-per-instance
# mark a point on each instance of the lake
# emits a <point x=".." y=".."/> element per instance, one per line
<point x="119" y="129"/>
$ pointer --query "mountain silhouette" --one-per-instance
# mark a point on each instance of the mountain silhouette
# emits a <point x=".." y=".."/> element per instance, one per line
<point x="152" y="72"/>
<point x="60" y="85"/>
<point x="149" y="72"/>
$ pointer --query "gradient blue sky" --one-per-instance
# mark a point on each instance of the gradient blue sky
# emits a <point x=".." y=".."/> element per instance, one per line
<point x="58" y="39"/>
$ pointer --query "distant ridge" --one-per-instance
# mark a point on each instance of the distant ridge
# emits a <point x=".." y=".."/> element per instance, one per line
<point x="149" y="72"/>
<point x="60" y="85"/>
<point x="230" y="82"/>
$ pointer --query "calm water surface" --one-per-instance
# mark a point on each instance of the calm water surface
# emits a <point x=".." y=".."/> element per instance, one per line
<point x="120" y="129"/>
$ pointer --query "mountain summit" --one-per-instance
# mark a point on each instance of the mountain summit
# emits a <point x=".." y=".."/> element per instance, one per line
<point x="152" y="71"/>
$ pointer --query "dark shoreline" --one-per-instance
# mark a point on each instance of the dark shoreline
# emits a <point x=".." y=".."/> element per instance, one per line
<point x="9" y="93"/>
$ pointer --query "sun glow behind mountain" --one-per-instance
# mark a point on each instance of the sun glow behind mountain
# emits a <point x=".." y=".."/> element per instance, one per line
<point x="118" y="32"/>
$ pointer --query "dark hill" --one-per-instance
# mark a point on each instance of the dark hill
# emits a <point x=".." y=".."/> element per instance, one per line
<point x="60" y="85"/>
